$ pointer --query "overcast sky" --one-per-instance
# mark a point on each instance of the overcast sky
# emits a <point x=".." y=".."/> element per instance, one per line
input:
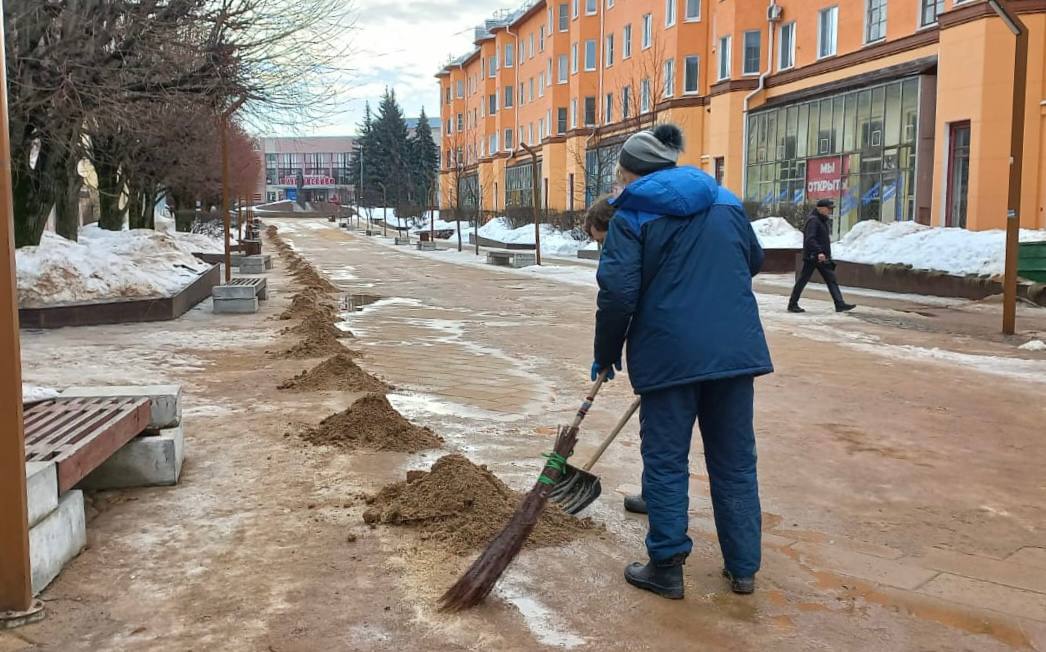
<point x="403" y="45"/>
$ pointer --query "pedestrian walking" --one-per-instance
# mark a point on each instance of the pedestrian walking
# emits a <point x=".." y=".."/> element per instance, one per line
<point x="675" y="284"/>
<point x="817" y="255"/>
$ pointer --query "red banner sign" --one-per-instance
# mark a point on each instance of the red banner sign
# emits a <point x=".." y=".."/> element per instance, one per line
<point x="825" y="177"/>
<point x="309" y="181"/>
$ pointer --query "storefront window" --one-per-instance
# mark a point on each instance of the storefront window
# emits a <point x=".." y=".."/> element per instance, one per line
<point x="519" y="185"/>
<point x="858" y="148"/>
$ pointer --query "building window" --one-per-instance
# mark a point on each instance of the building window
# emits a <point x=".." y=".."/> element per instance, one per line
<point x="562" y="69"/>
<point x="461" y="89"/>
<point x="930" y="10"/>
<point x="509" y="58"/>
<point x="492" y="104"/>
<point x="590" y="7"/>
<point x="719" y="169"/>
<point x="573" y="113"/>
<point x="530" y="90"/>
<point x="492" y="67"/>
<point x="626" y="42"/>
<point x="724" y="57"/>
<point x="508" y="139"/>
<point x="590" y="54"/>
<point x="610" y="4"/>
<point x="670" y="13"/>
<point x="609" y="54"/>
<point x="541" y="84"/>
<point x="521" y="92"/>
<point x="548" y="72"/>
<point x="874" y="20"/>
<point x="577" y="8"/>
<point x="564" y="17"/>
<point x="541" y="128"/>
<point x="608" y="108"/>
<point x="786" y="55"/>
<point x="522" y="51"/>
<point x="561" y="120"/>
<point x="827" y="27"/>
<point x="590" y="111"/>
<point x="573" y="58"/>
<point x="753" y="42"/>
<point x="507" y="99"/>
<point x="493" y="142"/>
<point x="648" y="30"/>
<point x="644" y="95"/>
<point x="693" y="10"/>
<point x="541" y="38"/>
<point x="670" y="78"/>
<point x="691" y="66"/>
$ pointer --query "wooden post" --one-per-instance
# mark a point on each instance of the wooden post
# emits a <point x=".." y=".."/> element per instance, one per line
<point x="535" y="181"/>
<point x="239" y="219"/>
<point x="16" y="593"/>
<point x="1013" y="220"/>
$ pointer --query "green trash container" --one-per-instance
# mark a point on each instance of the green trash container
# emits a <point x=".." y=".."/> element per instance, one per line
<point x="1031" y="261"/>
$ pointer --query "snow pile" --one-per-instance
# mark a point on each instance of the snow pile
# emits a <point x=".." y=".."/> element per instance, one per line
<point x="777" y="233"/>
<point x="950" y="250"/>
<point x="1033" y="345"/>
<point x="31" y="393"/>
<point x="553" y="241"/>
<point x="104" y="265"/>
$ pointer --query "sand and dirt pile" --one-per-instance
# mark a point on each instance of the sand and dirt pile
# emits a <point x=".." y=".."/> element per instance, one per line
<point x="308" y="303"/>
<point x="320" y="344"/>
<point x="462" y="506"/>
<point x="372" y="424"/>
<point x="338" y="372"/>
<point x="310" y="278"/>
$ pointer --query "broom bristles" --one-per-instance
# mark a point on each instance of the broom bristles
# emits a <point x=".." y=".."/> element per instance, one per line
<point x="479" y="579"/>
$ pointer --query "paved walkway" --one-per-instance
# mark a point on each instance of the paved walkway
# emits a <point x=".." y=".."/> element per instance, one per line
<point x="900" y="469"/>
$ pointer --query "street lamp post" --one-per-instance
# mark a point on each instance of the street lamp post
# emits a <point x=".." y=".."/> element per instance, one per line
<point x="534" y="201"/>
<point x="223" y="128"/>
<point x="384" y="211"/>
<point x="1013" y="220"/>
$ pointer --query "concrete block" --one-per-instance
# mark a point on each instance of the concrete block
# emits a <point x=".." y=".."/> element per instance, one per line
<point x="236" y="306"/>
<point x="57" y="539"/>
<point x="41" y="488"/>
<point x="426" y="246"/>
<point x="165" y="400"/>
<point x="401" y="241"/>
<point x="145" y="461"/>
<point x="234" y="291"/>
<point x="253" y="265"/>
<point x="523" y="259"/>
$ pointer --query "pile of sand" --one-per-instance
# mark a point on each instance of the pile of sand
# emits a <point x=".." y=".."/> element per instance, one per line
<point x="317" y="345"/>
<point x="336" y="373"/>
<point x="462" y="507"/>
<point x="309" y="303"/>
<point x="372" y="424"/>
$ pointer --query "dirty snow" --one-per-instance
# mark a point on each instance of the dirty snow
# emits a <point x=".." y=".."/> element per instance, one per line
<point x="104" y="265"/>
<point x="955" y="251"/>
<point x="31" y="392"/>
<point x="553" y="241"/>
<point x="777" y="233"/>
<point x="1033" y="345"/>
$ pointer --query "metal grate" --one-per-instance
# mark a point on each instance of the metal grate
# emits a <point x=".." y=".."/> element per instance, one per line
<point x="78" y="434"/>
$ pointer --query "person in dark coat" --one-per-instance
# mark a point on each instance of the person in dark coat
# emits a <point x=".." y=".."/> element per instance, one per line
<point x="817" y="255"/>
<point x="675" y="284"/>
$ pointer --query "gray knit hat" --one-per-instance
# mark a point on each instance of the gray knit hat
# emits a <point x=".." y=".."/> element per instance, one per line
<point x="652" y="150"/>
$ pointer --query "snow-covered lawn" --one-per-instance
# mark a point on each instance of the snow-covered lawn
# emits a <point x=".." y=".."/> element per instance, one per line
<point x="105" y="265"/>
<point x="553" y="241"/>
<point x="777" y="233"/>
<point x="955" y="251"/>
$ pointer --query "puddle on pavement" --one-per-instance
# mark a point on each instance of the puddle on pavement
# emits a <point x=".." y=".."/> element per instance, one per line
<point x="356" y="302"/>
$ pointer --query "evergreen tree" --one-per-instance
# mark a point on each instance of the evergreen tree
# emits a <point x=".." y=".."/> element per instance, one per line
<point x="362" y="161"/>
<point x="391" y="151"/>
<point x="424" y="160"/>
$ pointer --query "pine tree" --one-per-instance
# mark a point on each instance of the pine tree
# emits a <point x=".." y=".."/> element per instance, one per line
<point x="390" y="162"/>
<point x="424" y="159"/>
<point x="361" y="161"/>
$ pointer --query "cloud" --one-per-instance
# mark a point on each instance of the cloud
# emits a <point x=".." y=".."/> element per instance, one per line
<point x="403" y="45"/>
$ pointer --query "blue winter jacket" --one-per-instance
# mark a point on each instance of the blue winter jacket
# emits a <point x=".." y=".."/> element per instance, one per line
<point x="675" y="281"/>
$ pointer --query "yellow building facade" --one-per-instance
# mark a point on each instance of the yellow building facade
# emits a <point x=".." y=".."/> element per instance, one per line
<point x="896" y="109"/>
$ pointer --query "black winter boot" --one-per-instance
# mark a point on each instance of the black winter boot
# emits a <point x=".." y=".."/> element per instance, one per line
<point x="740" y="585"/>
<point x="664" y="578"/>
<point x="635" y="504"/>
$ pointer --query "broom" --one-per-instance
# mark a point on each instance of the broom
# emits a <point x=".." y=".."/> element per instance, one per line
<point x="479" y="579"/>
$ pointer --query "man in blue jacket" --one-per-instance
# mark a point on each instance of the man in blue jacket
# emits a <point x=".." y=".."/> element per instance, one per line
<point x="675" y="283"/>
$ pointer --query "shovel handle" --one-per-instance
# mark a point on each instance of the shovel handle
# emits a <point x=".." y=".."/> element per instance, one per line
<point x="625" y="418"/>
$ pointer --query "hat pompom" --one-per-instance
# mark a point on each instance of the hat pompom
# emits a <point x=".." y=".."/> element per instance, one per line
<point x="669" y="135"/>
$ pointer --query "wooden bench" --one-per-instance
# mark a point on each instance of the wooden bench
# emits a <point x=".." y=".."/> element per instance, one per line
<point x="514" y="259"/>
<point x="79" y="434"/>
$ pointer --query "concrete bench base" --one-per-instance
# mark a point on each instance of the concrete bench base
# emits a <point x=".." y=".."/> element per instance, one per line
<point x="401" y="241"/>
<point x="242" y="288"/>
<point x="145" y="461"/>
<point x="56" y="539"/>
<point x="372" y="232"/>
<point x="165" y="401"/>
<point x="41" y="489"/>
<point x="255" y="264"/>
<point x="236" y="306"/>
<point x="514" y="259"/>
<point x="426" y="246"/>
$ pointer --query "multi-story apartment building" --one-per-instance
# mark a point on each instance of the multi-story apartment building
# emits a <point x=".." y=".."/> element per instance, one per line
<point x="322" y="161"/>
<point x="897" y="109"/>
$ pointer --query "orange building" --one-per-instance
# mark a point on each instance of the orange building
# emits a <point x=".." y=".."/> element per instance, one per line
<point x="897" y="109"/>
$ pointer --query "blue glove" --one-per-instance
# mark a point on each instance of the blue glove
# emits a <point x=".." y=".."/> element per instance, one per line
<point x="610" y="370"/>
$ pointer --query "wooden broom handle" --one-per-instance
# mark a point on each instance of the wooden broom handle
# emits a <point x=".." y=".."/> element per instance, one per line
<point x="625" y="418"/>
<point x="587" y="403"/>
